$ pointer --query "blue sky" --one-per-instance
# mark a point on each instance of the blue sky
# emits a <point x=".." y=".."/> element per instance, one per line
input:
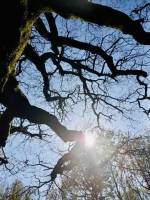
<point x="75" y="120"/>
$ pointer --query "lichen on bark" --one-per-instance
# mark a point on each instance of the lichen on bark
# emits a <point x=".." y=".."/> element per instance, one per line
<point x="14" y="35"/>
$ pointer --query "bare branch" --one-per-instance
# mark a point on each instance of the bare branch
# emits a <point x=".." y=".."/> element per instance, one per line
<point x="20" y="107"/>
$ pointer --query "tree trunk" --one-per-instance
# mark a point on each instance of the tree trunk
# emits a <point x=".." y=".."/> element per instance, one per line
<point x="16" y="23"/>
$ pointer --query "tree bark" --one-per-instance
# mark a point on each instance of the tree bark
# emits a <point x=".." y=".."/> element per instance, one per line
<point x="100" y="15"/>
<point x="16" y="22"/>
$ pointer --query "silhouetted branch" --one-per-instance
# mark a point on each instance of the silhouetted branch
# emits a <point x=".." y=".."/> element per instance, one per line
<point x="20" y="107"/>
<point x="100" y="15"/>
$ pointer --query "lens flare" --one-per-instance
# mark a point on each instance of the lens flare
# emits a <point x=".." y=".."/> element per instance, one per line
<point x="89" y="140"/>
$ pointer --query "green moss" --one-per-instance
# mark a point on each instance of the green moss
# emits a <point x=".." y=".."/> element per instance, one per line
<point x="24" y="2"/>
<point x="11" y="52"/>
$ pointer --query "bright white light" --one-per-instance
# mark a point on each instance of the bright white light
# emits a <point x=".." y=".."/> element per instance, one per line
<point x="89" y="140"/>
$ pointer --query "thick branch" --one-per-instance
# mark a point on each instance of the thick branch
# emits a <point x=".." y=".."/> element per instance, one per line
<point x="5" y="125"/>
<point x="20" y="107"/>
<point x="99" y="14"/>
<point x="66" y="162"/>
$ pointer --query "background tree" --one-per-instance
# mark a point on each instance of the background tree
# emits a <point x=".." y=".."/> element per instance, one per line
<point x="15" y="192"/>
<point x="120" y="174"/>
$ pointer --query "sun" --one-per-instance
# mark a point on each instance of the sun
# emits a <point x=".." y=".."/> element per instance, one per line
<point x="90" y="140"/>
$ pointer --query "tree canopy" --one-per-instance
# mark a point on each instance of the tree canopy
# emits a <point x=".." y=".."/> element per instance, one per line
<point x="57" y="57"/>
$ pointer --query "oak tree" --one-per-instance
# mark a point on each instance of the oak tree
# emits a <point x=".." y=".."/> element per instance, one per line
<point x="94" y="66"/>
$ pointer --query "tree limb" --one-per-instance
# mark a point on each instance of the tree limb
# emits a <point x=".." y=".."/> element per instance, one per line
<point x="100" y="15"/>
<point x="5" y="125"/>
<point x="20" y="107"/>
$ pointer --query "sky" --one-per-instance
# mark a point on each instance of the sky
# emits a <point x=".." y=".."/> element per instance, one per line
<point x="138" y="124"/>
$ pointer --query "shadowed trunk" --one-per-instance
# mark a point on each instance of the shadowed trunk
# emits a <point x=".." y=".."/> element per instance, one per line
<point x="16" y="23"/>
